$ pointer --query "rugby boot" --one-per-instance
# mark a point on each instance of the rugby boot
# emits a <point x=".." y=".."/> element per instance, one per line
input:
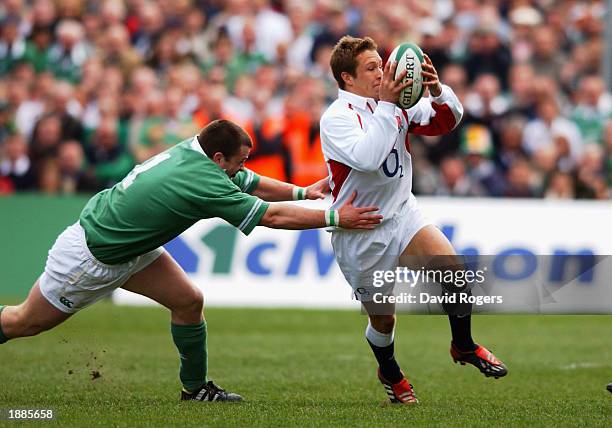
<point x="401" y="392"/>
<point x="482" y="359"/>
<point x="210" y="392"/>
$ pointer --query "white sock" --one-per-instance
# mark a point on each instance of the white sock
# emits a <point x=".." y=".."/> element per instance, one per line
<point x="377" y="338"/>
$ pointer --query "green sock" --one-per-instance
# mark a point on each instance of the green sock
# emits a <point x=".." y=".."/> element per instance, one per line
<point x="3" y="338"/>
<point x="190" y="341"/>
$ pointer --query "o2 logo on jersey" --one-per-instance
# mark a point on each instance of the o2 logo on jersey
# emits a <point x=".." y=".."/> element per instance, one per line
<point x="392" y="165"/>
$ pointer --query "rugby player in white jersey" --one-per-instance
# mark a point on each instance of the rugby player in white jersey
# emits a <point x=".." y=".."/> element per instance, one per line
<point x="365" y="140"/>
<point x="117" y="241"/>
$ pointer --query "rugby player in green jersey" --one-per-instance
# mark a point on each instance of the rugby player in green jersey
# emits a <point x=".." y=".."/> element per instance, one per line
<point x="117" y="240"/>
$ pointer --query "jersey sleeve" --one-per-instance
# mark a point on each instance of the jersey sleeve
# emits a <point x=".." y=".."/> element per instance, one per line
<point x="436" y="115"/>
<point x="240" y="209"/>
<point x="344" y="139"/>
<point x="246" y="180"/>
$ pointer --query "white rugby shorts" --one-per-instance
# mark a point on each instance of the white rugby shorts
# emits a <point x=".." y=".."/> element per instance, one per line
<point x="360" y="253"/>
<point x="74" y="279"/>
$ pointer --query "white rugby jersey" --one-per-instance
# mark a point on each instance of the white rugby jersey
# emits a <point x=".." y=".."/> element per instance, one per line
<point x="367" y="148"/>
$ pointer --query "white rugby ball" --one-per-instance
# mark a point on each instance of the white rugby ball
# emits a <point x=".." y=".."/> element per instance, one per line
<point x="409" y="57"/>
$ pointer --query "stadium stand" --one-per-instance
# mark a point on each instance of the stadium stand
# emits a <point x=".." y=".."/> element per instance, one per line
<point x="109" y="83"/>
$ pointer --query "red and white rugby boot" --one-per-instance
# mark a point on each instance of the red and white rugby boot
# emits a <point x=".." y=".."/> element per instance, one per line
<point x="401" y="392"/>
<point x="482" y="359"/>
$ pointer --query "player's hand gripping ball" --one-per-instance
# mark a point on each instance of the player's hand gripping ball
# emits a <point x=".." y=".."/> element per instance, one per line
<point x="409" y="57"/>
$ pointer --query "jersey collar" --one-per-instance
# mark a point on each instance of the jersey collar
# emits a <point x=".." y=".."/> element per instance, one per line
<point x="195" y="145"/>
<point x="356" y="100"/>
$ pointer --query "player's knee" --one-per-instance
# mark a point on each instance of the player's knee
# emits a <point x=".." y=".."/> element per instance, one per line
<point x="383" y="323"/>
<point x="198" y="300"/>
<point x="194" y="302"/>
<point x="20" y="322"/>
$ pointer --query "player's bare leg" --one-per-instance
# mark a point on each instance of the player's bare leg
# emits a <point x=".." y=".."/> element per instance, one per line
<point x="165" y="282"/>
<point x="430" y="241"/>
<point x="380" y="337"/>
<point x="30" y="318"/>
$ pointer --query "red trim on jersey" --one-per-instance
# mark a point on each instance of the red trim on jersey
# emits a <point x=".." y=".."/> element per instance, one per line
<point x="368" y="104"/>
<point x="358" y="117"/>
<point x="339" y="174"/>
<point x="407" y="139"/>
<point x="443" y="122"/>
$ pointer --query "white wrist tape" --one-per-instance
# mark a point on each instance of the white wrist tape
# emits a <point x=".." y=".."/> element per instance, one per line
<point x="332" y="218"/>
<point x="299" y="193"/>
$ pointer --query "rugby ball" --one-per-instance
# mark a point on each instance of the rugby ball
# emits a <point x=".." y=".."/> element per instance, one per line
<point x="409" y="57"/>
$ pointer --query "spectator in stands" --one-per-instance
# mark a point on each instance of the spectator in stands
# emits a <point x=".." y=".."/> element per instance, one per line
<point x="272" y="29"/>
<point x="112" y="12"/>
<point x="511" y="143"/>
<point x="15" y="166"/>
<point x="485" y="104"/>
<point x="551" y="128"/>
<point x="34" y="102"/>
<point x="335" y="24"/>
<point x="12" y="43"/>
<point x="454" y="180"/>
<point x="547" y="58"/>
<point x="37" y="48"/>
<point x="149" y="25"/>
<point x="301" y="136"/>
<point x="238" y="105"/>
<point x="487" y="54"/>
<point x="63" y="103"/>
<point x="434" y="43"/>
<point x="269" y="154"/>
<point x="164" y="126"/>
<point x="221" y="55"/>
<point x="43" y="13"/>
<point x="74" y="177"/>
<point x="45" y="141"/>
<point x="7" y="127"/>
<point x="194" y="37"/>
<point x="560" y="186"/>
<point x="107" y="153"/>
<point x="521" y="181"/>
<point x="212" y="97"/>
<point x="591" y="181"/>
<point x="68" y="54"/>
<point x="48" y="175"/>
<point x="118" y="52"/>
<point x="477" y="145"/>
<point x="299" y="48"/>
<point x="593" y="107"/>
<point x="522" y="90"/>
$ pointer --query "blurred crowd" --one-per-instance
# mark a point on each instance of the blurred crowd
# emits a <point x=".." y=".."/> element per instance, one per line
<point x="90" y="88"/>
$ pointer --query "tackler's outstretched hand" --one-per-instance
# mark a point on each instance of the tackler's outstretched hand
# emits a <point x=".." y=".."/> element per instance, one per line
<point x="318" y="190"/>
<point x="352" y="217"/>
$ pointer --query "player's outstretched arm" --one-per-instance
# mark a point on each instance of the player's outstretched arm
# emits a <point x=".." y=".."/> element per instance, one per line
<point x="286" y="216"/>
<point x="272" y="190"/>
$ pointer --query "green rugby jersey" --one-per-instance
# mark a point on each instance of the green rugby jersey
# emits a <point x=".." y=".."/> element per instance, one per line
<point x="164" y="196"/>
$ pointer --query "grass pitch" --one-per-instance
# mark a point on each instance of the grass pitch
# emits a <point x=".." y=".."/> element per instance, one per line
<point x="117" y="366"/>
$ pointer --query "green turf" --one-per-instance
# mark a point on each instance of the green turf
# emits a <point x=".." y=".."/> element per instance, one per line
<point x="309" y="368"/>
